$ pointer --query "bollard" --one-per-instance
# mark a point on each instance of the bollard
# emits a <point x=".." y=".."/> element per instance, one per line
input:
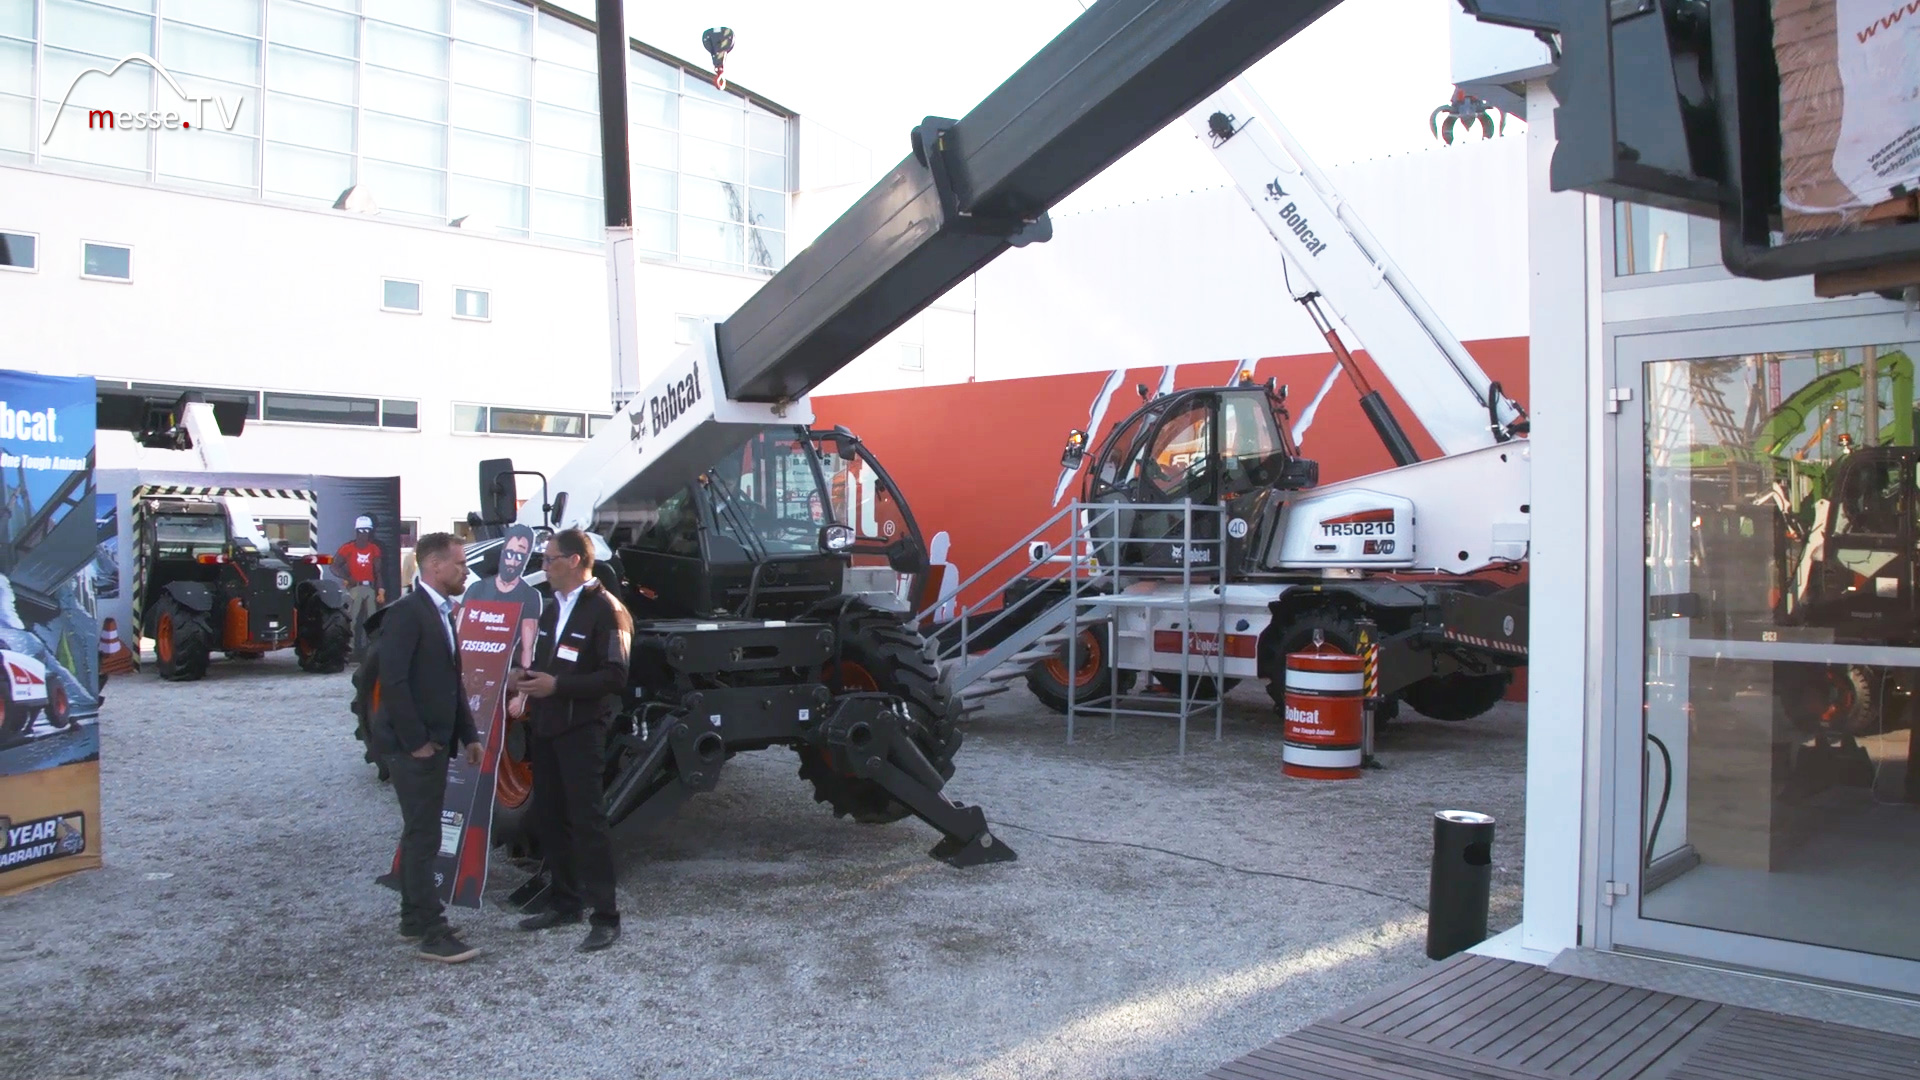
<point x="1461" y="883"/>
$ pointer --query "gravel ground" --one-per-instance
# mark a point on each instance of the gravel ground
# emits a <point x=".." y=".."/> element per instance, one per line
<point x="1164" y="915"/>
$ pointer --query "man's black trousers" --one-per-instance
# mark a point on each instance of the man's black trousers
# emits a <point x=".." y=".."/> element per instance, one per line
<point x="570" y="820"/>
<point x="421" y="784"/>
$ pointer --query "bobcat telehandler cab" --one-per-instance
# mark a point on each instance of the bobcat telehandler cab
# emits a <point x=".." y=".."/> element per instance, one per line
<point x="969" y="190"/>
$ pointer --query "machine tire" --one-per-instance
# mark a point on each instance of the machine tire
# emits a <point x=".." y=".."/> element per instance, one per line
<point x="1339" y="630"/>
<point x="1200" y="687"/>
<point x="1830" y="697"/>
<point x="1457" y="696"/>
<point x="324" y="639"/>
<point x="513" y="794"/>
<point x="1047" y="679"/>
<point x="182" y="641"/>
<point x="879" y="653"/>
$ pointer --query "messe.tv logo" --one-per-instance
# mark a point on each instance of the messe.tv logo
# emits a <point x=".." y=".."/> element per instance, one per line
<point x="140" y="120"/>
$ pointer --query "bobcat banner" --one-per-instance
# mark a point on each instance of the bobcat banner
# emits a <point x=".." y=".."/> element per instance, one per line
<point x="49" y="632"/>
<point x="488" y="633"/>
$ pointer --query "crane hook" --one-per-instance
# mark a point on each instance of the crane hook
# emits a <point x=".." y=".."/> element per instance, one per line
<point x="718" y="41"/>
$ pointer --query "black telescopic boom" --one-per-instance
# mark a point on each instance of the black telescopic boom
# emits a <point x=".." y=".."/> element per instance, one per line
<point x="616" y="174"/>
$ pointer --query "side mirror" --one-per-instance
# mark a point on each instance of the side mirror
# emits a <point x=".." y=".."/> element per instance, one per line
<point x="1298" y="473"/>
<point x="1076" y="450"/>
<point x="499" y="498"/>
<point x="559" y="507"/>
<point x="904" y="556"/>
<point x="836" y="538"/>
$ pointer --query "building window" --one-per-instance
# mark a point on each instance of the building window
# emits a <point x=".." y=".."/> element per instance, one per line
<point x="400" y="295"/>
<point x="596" y="421"/>
<point x="400" y="414"/>
<point x="293" y="532"/>
<point x="532" y="422"/>
<point x="409" y="532"/>
<point x="322" y="409"/>
<point x="247" y="397"/>
<point x="913" y="358"/>
<point x="472" y="304"/>
<point x="19" y="251"/>
<point x="106" y="262"/>
<point x="470" y="419"/>
<point x="686" y="329"/>
<point x="1649" y="240"/>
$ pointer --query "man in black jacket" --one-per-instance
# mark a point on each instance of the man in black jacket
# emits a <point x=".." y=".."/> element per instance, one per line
<point x="421" y="718"/>
<point x="579" y="677"/>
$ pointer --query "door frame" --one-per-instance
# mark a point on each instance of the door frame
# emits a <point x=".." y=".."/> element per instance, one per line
<point x="1619" y="926"/>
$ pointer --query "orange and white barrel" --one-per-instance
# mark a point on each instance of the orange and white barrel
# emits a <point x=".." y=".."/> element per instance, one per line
<point x="1325" y="709"/>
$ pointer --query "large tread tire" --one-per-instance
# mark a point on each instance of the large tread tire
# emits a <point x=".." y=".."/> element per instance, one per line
<point x="1829" y="697"/>
<point x="1094" y="679"/>
<point x="1458" y="696"/>
<point x="880" y="653"/>
<point x="1338" y="629"/>
<point x="183" y="640"/>
<point x="325" y="638"/>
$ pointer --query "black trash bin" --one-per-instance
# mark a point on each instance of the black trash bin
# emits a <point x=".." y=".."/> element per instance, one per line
<point x="1461" y="882"/>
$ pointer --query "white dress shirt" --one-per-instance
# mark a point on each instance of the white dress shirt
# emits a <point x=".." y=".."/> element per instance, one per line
<point x="566" y="611"/>
<point x="445" y="606"/>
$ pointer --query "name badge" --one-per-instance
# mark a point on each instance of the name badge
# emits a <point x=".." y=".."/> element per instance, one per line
<point x="568" y="653"/>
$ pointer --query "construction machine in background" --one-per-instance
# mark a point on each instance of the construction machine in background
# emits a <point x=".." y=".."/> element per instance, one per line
<point x="1275" y="562"/>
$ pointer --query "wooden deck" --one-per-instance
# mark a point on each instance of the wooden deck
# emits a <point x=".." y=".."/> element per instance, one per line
<point x="1477" y="1018"/>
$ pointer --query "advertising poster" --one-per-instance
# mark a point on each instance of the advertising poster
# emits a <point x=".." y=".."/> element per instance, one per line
<point x="49" y="632"/>
<point x="487" y="638"/>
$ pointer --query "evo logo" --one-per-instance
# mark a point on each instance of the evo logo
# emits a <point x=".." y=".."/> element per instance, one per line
<point x="1296" y="221"/>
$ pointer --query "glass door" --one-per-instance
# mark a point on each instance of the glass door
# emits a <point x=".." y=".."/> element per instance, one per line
<point x="1767" y="538"/>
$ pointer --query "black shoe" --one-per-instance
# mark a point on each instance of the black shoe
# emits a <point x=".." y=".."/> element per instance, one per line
<point x="601" y="936"/>
<point x="549" y="918"/>
<point x="446" y="948"/>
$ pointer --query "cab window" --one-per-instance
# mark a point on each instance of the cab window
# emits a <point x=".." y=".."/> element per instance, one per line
<point x="1176" y="464"/>
<point x="1249" y="444"/>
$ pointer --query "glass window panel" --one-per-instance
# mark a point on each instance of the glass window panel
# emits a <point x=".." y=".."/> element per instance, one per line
<point x="310" y="74"/>
<point x="91" y="28"/>
<point x="410" y="142"/>
<point x="16" y="68"/>
<point x="650" y="146"/>
<point x="19" y="250"/>
<point x="234" y="109"/>
<point x="212" y="156"/>
<point x="768" y="208"/>
<point x="564" y="43"/>
<point x="195" y="51"/>
<point x="496" y="204"/>
<point x="711" y="121"/>
<point x="233" y="16"/>
<point x="399" y="414"/>
<point x="477" y="65"/>
<point x="474" y="303"/>
<point x="16" y="123"/>
<point x="654" y="187"/>
<point x="470" y="418"/>
<point x="711" y="241"/>
<point x="404" y="95"/>
<point x="565" y="86"/>
<point x="406" y="50"/>
<point x="766" y="249"/>
<point x="564" y="170"/>
<point x="310" y="28"/>
<point x="106" y="260"/>
<point x="644" y="70"/>
<point x="480" y="110"/>
<point x="310" y="123"/>
<point x="16" y="18"/>
<point x="711" y="199"/>
<point x="72" y="141"/>
<point x="530" y="422"/>
<point x="405" y="190"/>
<point x="769" y="171"/>
<point x="491" y="24"/>
<point x="423" y="14"/>
<point x="310" y="174"/>
<point x="130" y="88"/>
<point x="767" y="132"/>
<point x="400" y="295"/>
<point x="558" y="214"/>
<point x="318" y="409"/>
<point x="489" y="156"/>
<point x="556" y="126"/>
<point x="698" y="157"/>
<point x="654" y="230"/>
<point x="656" y="107"/>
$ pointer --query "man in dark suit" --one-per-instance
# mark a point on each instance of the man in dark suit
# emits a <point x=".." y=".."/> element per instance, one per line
<point x="578" y="679"/>
<point x="421" y="719"/>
